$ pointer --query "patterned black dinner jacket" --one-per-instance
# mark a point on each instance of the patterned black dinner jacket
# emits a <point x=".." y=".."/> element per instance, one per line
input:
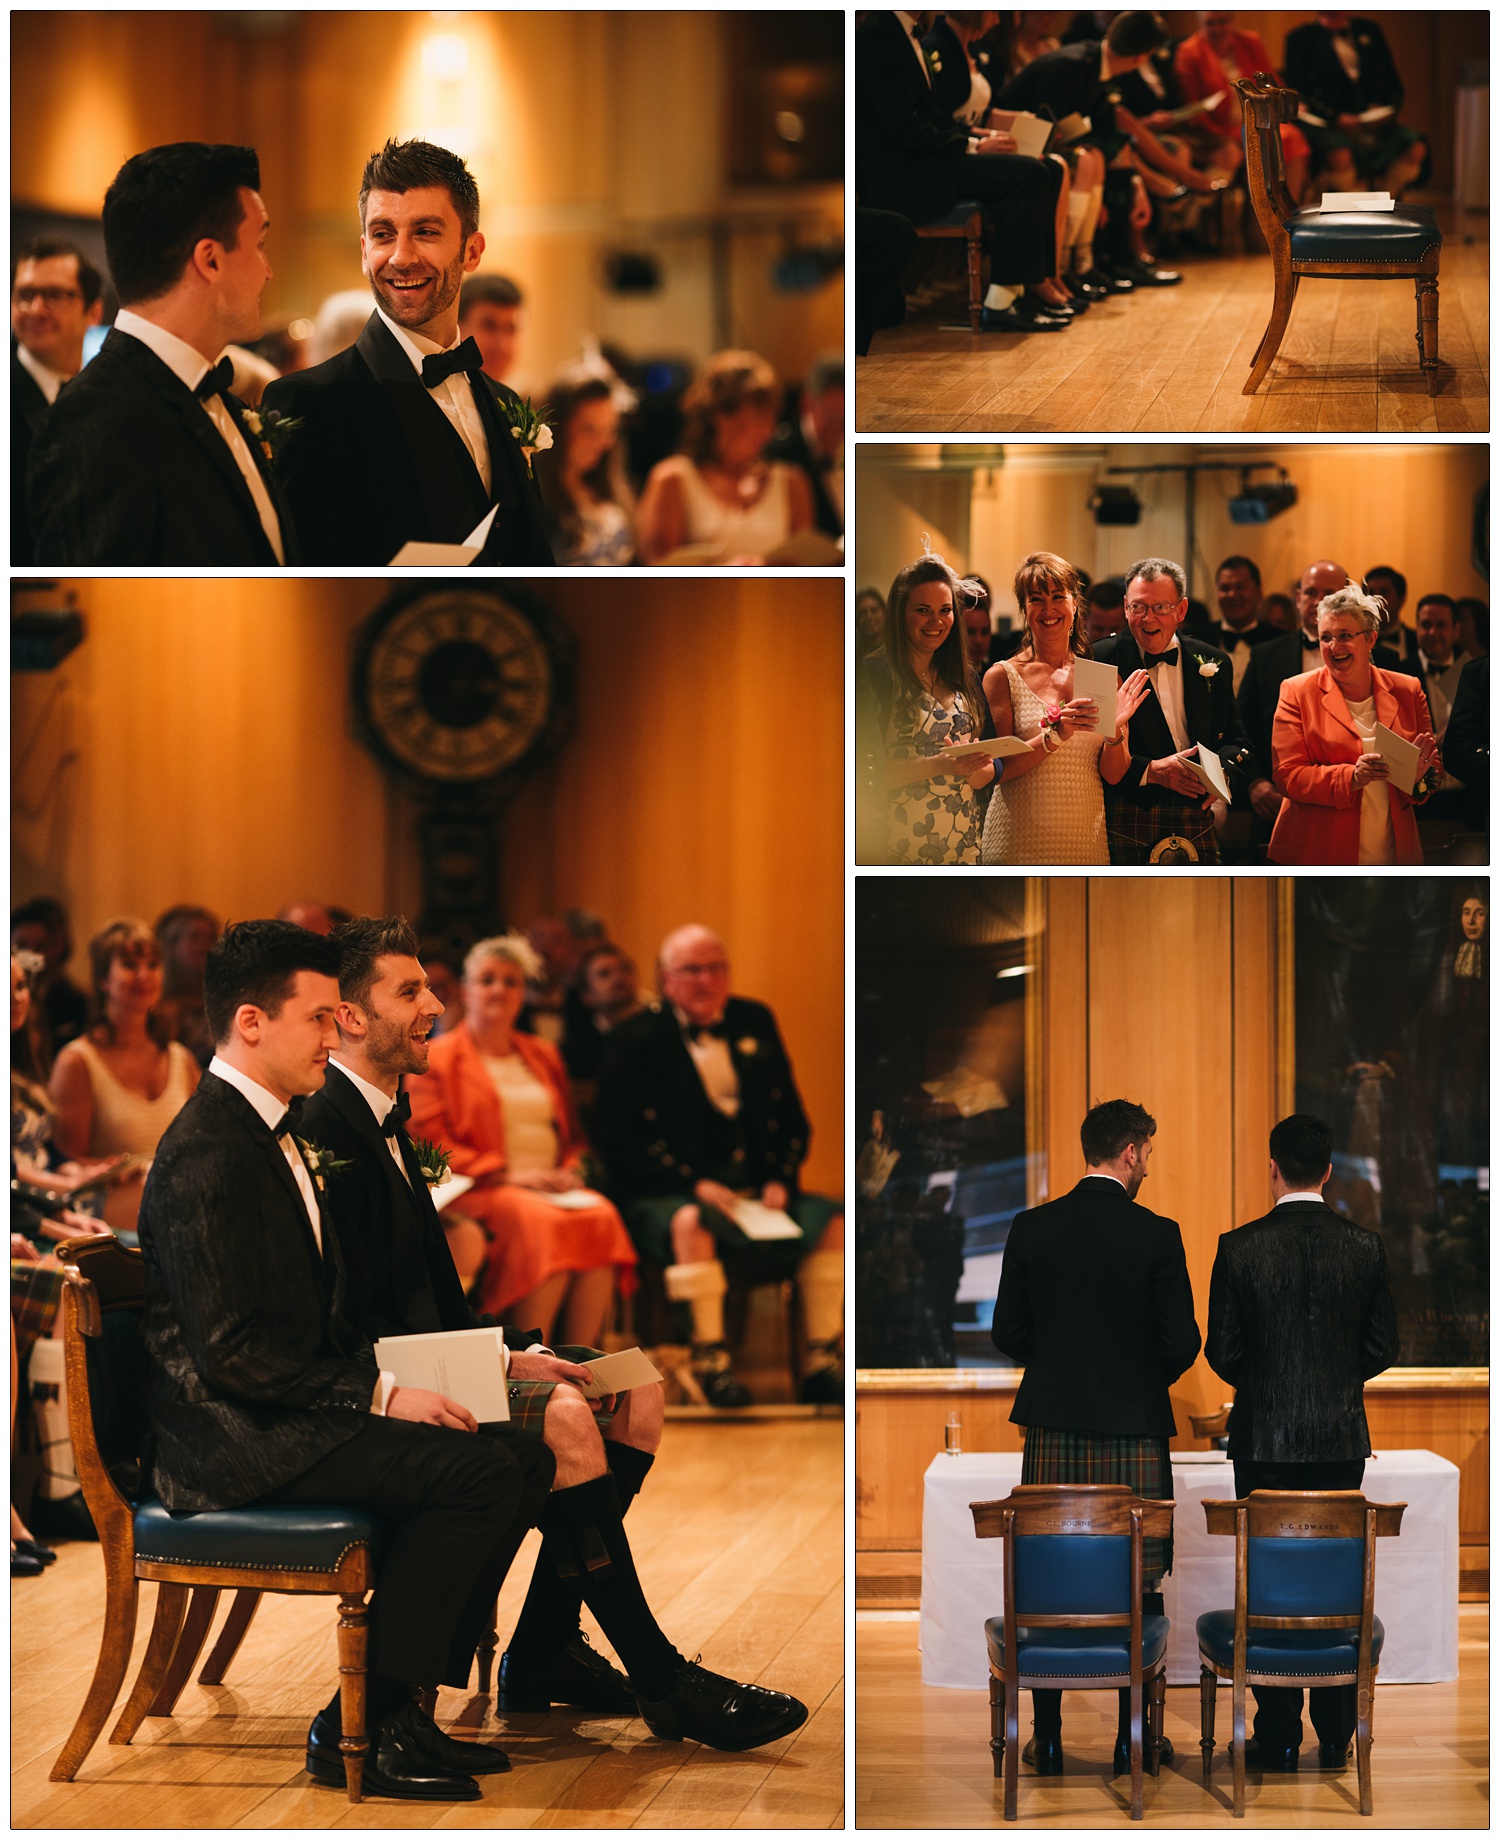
<point x="253" y="1369"/>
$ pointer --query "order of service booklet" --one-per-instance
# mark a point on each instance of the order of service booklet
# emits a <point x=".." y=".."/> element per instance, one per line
<point x="468" y="1365"/>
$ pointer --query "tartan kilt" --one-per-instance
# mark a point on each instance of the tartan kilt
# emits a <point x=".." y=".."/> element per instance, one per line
<point x="528" y="1398"/>
<point x="1087" y="1456"/>
<point x="1135" y="830"/>
<point x="36" y="1293"/>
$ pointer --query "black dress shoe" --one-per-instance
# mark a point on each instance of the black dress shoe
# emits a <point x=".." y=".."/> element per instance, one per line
<point x="1011" y="319"/>
<point x="1089" y="285"/>
<point x="1143" y="275"/>
<point x="24" y="1564"/>
<point x="35" y="1549"/>
<point x="1122" y="1755"/>
<point x="394" y="1765"/>
<point x="1113" y="280"/>
<point x="721" y="1713"/>
<point x="1054" y="309"/>
<point x="1334" y="1756"/>
<point x="1280" y="1758"/>
<point x="1044" y="1755"/>
<point x="722" y="1386"/>
<point x="460" y="1756"/>
<point x="575" y="1676"/>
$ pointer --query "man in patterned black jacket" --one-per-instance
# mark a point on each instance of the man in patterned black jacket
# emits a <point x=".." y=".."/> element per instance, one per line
<point x="697" y="1113"/>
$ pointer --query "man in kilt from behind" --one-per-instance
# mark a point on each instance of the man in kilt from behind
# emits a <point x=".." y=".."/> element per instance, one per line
<point x="1096" y="1304"/>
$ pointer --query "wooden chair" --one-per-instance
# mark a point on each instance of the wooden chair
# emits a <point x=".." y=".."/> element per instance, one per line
<point x="1291" y="1549"/>
<point x="965" y="220"/>
<point x="324" y="1551"/>
<point x="1344" y="245"/>
<point x="1073" y="1569"/>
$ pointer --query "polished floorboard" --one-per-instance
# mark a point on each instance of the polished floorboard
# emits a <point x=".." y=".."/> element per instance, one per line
<point x="739" y="1539"/>
<point x="1175" y="360"/>
<point x="922" y="1757"/>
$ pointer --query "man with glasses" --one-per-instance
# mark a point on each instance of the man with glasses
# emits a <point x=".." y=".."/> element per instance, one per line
<point x="1162" y="811"/>
<point x="56" y="294"/>
<point x="703" y="1134"/>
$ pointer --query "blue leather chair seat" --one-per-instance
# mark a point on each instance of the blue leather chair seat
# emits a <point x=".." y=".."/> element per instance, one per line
<point x="1077" y="1652"/>
<point x="1285" y="1651"/>
<point x="954" y="219"/>
<point x="1404" y="235"/>
<point x="297" y="1538"/>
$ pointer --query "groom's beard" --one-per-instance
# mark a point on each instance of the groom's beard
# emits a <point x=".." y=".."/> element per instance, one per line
<point x="414" y="311"/>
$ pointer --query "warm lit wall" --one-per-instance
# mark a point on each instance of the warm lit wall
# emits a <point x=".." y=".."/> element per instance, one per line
<point x="583" y="129"/>
<point x="194" y="748"/>
<point x="1358" y="503"/>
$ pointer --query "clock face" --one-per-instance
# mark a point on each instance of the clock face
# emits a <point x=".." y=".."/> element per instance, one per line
<point x="458" y="686"/>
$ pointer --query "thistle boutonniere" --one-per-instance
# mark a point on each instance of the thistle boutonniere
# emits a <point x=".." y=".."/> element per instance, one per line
<point x="321" y="1163"/>
<point x="432" y="1160"/>
<point x="748" y="1045"/>
<point x="271" y="430"/>
<point x="1208" y="667"/>
<point x="528" y="426"/>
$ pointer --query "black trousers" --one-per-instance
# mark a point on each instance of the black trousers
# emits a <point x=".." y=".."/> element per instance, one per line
<point x="884" y="243"/>
<point x="1021" y="196"/>
<point x="455" y="1500"/>
<point x="1278" y="1710"/>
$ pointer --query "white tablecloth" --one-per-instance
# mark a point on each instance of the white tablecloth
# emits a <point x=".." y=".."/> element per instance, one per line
<point x="1416" y="1575"/>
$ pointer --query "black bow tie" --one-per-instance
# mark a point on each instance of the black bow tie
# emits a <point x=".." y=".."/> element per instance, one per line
<point x="1308" y="645"/>
<point x="1152" y="658"/>
<point x="1229" y="639"/>
<point x="716" y="1030"/>
<point x="291" y="1118"/>
<point x="217" y="380"/>
<point x="445" y="364"/>
<point x="397" y="1115"/>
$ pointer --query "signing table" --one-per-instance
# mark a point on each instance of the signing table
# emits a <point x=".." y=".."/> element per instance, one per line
<point x="1416" y="1575"/>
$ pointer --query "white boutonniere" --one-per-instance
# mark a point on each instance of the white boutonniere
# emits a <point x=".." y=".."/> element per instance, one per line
<point x="432" y="1160"/>
<point x="934" y="62"/>
<point x="271" y="429"/>
<point x="1208" y="667"/>
<point x="321" y="1163"/>
<point x="528" y="426"/>
<point x="747" y="1044"/>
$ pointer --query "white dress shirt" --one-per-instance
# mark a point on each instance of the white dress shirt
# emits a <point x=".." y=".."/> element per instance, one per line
<point x="1301" y="1194"/>
<point x="454" y="395"/>
<point x="49" y="382"/>
<point x="190" y="367"/>
<point x="1103" y="1175"/>
<point x="715" y="1066"/>
<point x="381" y="1104"/>
<point x="1168" y="687"/>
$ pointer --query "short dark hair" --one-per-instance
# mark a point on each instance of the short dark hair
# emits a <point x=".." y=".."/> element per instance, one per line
<point x="257" y="961"/>
<point x="1479" y="611"/>
<point x="43" y="910"/>
<point x="1441" y="600"/>
<point x="1110" y="1127"/>
<point x="1384" y="568"/>
<point x="409" y="166"/>
<point x="1108" y="591"/>
<point x="1302" y="1148"/>
<point x="46" y="249"/>
<point x="488" y="291"/>
<point x="163" y="202"/>
<point x="1239" y="562"/>
<point x="1136" y="34"/>
<point x="362" y="942"/>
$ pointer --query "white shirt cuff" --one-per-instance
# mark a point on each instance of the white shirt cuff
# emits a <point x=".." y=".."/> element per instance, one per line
<point x="381" y="1402"/>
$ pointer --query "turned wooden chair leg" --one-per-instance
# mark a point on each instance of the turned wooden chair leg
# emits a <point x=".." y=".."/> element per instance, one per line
<point x="1137" y="1749"/>
<point x="171" y="1606"/>
<point x="1012" y="1748"/>
<point x="1427" y="329"/>
<point x="997" y="1724"/>
<point x="200" y="1616"/>
<point x="1237" y="1747"/>
<point x="1281" y="312"/>
<point x="354" y="1652"/>
<point x="1208" y="1684"/>
<point x="975" y="240"/>
<point x="121" y="1594"/>
<point x="230" y="1636"/>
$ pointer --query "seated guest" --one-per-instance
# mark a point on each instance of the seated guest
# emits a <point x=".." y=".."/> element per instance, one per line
<point x="55" y="296"/>
<point x="1049" y="807"/>
<point x="1342" y="69"/>
<point x="445" y="979"/>
<point x="913" y="158"/>
<point x="590" y="506"/>
<point x="812" y="437"/>
<point x="698" y="1110"/>
<point x="400" y="1283"/>
<point x="1209" y="62"/>
<point x="1340" y="806"/>
<point x="59" y="1009"/>
<point x="489" y="313"/>
<point x="919" y="697"/>
<point x="314" y="916"/>
<point x="120" y="1085"/>
<point x="497" y="1101"/>
<point x="1239" y="626"/>
<point x="337" y="324"/>
<point x="185" y="935"/>
<point x="552" y="1006"/>
<point x="609" y="994"/>
<point x="721" y="496"/>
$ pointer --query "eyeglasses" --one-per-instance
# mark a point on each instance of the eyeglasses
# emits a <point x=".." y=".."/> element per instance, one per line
<point x="48" y="296"/>
<point x="1139" y="608"/>
<point x="716" y="969"/>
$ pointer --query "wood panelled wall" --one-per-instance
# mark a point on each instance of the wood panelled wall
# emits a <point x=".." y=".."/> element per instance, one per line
<point x="195" y="748"/>
<point x="1201" y="1053"/>
<point x="585" y="130"/>
<point x="1358" y="504"/>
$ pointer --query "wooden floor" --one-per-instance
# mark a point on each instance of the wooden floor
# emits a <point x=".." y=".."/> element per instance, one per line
<point x="739" y="1538"/>
<point x="1176" y="359"/>
<point x="922" y="1757"/>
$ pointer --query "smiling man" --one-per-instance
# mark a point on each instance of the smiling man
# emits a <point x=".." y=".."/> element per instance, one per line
<point x="55" y="297"/>
<point x="403" y="438"/>
<point x="146" y="457"/>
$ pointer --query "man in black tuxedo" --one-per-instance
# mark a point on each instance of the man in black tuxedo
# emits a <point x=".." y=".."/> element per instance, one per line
<point x="811" y="435"/>
<point x="402" y="1282"/>
<point x="1397" y="648"/>
<point x="1160" y="810"/>
<point x="402" y="438"/>
<point x="1095" y="1302"/>
<point x="146" y="457"/>
<point x="1341" y="66"/>
<point x="696" y="1112"/>
<point x="913" y="158"/>
<point x="260" y="1389"/>
<point x="1300" y="1315"/>
<point x="56" y="295"/>
<point x="1239" y="627"/>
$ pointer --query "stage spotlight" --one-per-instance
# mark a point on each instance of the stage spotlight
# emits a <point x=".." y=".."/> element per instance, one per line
<point x="42" y="632"/>
<point x="1115" y="505"/>
<point x="1259" y="504"/>
<point x="805" y="268"/>
<point x="629" y="271"/>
